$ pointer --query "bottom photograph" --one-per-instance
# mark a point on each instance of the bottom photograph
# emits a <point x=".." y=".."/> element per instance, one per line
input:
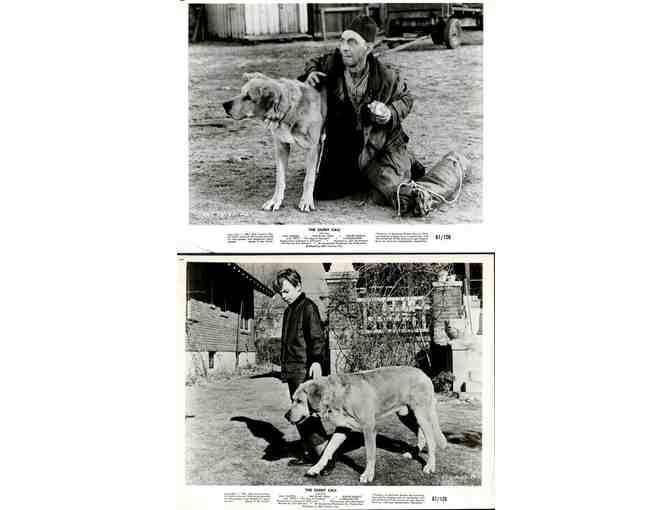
<point x="338" y="370"/>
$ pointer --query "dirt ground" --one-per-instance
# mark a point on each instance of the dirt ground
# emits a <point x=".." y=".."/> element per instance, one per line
<point x="236" y="435"/>
<point x="231" y="162"/>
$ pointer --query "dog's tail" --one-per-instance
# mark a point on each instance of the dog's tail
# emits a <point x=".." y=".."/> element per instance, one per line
<point x="441" y="441"/>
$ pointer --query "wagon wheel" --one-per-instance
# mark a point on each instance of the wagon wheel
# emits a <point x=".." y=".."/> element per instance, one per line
<point x="452" y="34"/>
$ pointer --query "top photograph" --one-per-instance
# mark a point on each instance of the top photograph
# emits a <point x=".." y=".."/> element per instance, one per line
<point x="335" y="113"/>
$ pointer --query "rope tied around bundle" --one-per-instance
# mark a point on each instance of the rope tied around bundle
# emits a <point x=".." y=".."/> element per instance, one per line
<point x="414" y="185"/>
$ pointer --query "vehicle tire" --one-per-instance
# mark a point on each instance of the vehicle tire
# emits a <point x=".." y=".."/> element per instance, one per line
<point x="452" y="34"/>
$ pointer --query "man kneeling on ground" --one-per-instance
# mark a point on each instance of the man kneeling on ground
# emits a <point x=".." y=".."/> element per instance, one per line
<point x="365" y="147"/>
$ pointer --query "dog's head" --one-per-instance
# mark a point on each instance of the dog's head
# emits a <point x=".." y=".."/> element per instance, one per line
<point x="306" y="401"/>
<point x="259" y="95"/>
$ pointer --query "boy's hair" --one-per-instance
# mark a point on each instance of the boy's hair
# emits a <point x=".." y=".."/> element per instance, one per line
<point x="288" y="274"/>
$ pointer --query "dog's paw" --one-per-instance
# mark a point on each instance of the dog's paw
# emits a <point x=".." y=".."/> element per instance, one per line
<point x="366" y="476"/>
<point x="314" y="470"/>
<point x="429" y="468"/>
<point x="407" y="455"/>
<point x="272" y="205"/>
<point x="306" y="204"/>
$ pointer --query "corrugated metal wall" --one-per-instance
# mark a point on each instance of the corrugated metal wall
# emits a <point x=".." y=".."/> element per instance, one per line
<point x="240" y="20"/>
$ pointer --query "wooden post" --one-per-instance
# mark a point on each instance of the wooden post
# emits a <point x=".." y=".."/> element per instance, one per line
<point x="238" y="334"/>
<point x="324" y="26"/>
<point x="467" y="290"/>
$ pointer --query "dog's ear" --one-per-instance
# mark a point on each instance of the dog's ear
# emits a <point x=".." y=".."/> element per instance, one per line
<point x="328" y="398"/>
<point x="271" y="96"/>
<point x="315" y="394"/>
<point x="303" y="388"/>
<point x="267" y="94"/>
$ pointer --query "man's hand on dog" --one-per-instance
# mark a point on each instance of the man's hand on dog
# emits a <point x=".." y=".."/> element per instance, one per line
<point x="315" y="371"/>
<point x="314" y="78"/>
<point x="380" y="112"/>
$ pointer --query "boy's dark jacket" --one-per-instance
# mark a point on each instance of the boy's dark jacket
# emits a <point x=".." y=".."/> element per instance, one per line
<point x="303" y="341"/>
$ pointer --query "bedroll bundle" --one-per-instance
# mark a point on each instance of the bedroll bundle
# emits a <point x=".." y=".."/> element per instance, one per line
<point x="441" y="185"/>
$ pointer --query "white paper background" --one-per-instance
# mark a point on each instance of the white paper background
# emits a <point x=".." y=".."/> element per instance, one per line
<point x="576" y="173"/>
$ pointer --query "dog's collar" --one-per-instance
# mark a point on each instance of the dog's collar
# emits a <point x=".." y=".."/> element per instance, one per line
<point x="302" y="420"/>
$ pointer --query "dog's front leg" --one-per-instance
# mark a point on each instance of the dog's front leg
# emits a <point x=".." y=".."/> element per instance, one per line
<point x="307" y="204"/>
<point x="281" y="158"/>
<point x="336" y="440"/>
<point x="370" y="446"/>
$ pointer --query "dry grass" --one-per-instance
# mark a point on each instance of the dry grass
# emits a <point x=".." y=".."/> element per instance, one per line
<point x="232" y="165"/>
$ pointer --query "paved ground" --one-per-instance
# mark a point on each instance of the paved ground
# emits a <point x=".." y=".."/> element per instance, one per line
<point x="232" y="165"/>
<point x="236" y="435"/>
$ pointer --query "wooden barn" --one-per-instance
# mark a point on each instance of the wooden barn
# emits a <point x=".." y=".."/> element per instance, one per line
<point x="220" y="322"/>
<point x="257" y="22"/>
<point x="304" y="21"/>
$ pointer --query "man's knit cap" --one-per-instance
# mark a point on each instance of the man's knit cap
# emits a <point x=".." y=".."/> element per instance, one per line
<point x="364" y="26"/>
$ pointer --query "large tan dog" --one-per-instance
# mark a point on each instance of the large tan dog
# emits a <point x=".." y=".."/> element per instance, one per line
<point x="358" y="400"/>
<point x="295" y="113"/>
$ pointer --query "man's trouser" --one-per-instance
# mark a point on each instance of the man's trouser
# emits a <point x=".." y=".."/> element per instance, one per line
<point x="385" y="172"/>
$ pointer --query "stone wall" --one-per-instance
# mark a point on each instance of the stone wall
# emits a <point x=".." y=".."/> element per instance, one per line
<point x="197" y="363"/>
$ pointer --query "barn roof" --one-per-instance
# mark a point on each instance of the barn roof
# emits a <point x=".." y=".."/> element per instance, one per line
<point x="256" y="284"/>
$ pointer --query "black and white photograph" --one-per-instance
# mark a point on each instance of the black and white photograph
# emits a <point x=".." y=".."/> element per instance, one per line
<point x="250" y="255"/>
<point x="335" y="113"/>
<point x="346" y="371"/>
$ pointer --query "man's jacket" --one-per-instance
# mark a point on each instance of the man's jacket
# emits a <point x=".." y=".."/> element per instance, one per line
<point x="302" y="341"/>
<point x="354" y="139"/>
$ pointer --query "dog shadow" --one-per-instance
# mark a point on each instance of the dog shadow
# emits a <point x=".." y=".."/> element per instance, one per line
<point x="278" y="448"/>
<point x="355" y="440"/>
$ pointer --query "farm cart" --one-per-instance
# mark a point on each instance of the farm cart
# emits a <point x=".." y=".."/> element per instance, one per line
<point x="442" y="22"/>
